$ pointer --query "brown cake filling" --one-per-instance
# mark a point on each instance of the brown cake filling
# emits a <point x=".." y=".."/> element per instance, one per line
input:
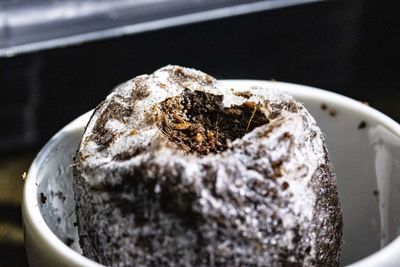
<point x="199" y="123"/>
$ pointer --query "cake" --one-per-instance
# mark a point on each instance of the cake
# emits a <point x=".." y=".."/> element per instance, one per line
<point x="176" y="169"/>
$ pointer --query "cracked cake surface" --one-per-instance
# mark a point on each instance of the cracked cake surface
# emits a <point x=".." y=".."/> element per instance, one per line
<point x="176" y="169"/>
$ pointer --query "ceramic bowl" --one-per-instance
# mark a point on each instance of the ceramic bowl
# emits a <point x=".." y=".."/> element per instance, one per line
<point x="364" y="145"/>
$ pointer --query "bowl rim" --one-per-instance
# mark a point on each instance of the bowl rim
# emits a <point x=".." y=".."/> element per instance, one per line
<point x="33" y="220"/>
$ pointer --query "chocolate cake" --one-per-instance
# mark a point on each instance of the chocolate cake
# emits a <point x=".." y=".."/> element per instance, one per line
<point x="175" y="169"/>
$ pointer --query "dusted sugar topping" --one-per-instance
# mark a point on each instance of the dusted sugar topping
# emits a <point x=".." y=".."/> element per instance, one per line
<point x="175" y="169"/>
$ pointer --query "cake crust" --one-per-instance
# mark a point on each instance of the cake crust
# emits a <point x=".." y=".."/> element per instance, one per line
<point x="174" y="169"/>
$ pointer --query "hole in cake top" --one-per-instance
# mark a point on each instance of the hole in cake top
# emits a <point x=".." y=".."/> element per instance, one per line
<point x="197" y="122"/>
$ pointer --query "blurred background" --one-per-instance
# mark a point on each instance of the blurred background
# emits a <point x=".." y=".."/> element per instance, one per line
<point x="60" y="58"/>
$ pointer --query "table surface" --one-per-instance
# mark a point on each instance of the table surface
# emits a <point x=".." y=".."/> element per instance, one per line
<point x="12" y="250"/>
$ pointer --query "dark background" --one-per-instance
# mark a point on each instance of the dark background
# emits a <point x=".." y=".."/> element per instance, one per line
<point x="349" y="47"/>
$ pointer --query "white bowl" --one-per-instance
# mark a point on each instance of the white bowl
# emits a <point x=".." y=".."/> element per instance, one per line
<point x="364" y="145"/>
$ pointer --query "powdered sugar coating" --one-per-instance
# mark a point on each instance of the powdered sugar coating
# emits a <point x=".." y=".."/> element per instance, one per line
<point x="258" y="203"/>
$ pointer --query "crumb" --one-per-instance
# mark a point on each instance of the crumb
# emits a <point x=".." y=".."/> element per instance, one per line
<point x="333" y="112"/>
<point x="285" y="185"/>
<point x="362" y="125"/>
<point x="324" y="106"/>
<point x="43" y="198"/>
<point x="376" y="193"/>
<point x="245" y="94"/>
<point x="140" y="92"/>
<point x="69" y="241"/>
<point x="209" y="79"/>
<point x="133" y="132"/>
<point x="199" y="138"/>
<point x="23" y="176"/>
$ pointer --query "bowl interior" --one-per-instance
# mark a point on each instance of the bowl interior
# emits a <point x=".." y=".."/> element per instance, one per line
<point x="366" y="157"/>
<point x="364" y="146"/>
